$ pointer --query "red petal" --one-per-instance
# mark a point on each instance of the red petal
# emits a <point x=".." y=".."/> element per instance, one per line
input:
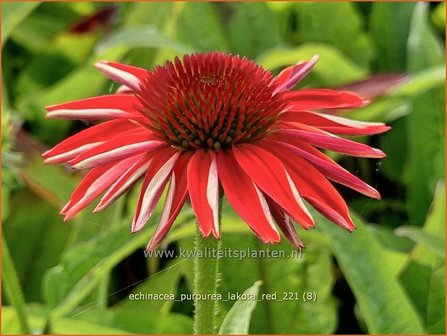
<point x="124" y="74"/>
<point x="322" y="99"/>
<point x="334" y="124"/>
<point x="94" y="184"/>
<point x="154" y="182"/>
<point x="101" y="107"/>
<point x="284" y="223"/>
<point x="88" y="139"/>
<point x="330" y="168"/>
<point x="176" y="197"/>
<point x="327" y="140"/>
<point x="269" y="174"/>
<point x="203" y="187"/>
<point x="116" y="149"/>
<point x="314" y="187"/>
<point x="245" y="198"/>
<point x="292" y="75"/>
<point x="124" y="182"/>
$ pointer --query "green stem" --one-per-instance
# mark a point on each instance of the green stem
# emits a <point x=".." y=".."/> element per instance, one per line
<point x="12" y="288"/>
<point x="206" y="282"/>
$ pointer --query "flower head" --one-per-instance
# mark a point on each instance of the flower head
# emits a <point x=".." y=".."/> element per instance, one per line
<point x="211" y="120"/>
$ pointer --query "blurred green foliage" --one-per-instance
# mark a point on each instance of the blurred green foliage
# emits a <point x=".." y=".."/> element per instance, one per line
<point x="386" y="277"/>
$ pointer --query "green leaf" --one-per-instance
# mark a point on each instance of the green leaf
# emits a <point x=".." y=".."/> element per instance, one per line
<point x="436" y="303"/>
<point x="37" y="241"/>
<point x="436" y="217"/>
<point x="36" y="32"/>
<point x="148" y="13"/>
<point x="333" y="68"/>
<point x="142" y="36"/>
<point x="390" y="26"/>
<point x="289" y="278"/>
<point x="396" y="249"/>
<point x="84" y="266"/>
<point x="199" y="23"/>
<point x="389" y="239"/>
<point x="426" y="144"/>
<point x="11" y="324"/>
<point x="432" y="242"/>
<point x="279" y="6"/>
<point x="424" y="48"/>
<point x="82" y="82"/>
<point x="434" y="226"/>
<point x="162" y="16"/>
<point x="13" y="13"/>
<point x="426" y="288"/>
<point x="426" y="132"/>
<point x="395" y="145"/>
<point x="248" y="33"/>
<point x="138" y="320"/>
<point x="438" y="16"/>
<point x="67" y="52"/>
<point x="424" y="276"/>
<point x="337" y="24"/>
<point x="237" y="321"/>
<point x="39" y="30"/>
<point x="381" y="299"/>
<point x="416" y="280"/>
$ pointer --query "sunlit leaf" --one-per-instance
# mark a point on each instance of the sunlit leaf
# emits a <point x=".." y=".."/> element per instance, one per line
<point x="237" y="321"/>
<point x="438" y="16"/>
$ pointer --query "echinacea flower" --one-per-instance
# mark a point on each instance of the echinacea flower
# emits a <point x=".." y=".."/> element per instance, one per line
<point x="211" y="120"/>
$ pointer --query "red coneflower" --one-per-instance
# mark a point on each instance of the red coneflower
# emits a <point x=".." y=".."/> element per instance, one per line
<point x="215" y="119"/>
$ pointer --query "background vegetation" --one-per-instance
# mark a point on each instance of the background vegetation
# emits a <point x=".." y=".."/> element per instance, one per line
<point x="386" y="277"/>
